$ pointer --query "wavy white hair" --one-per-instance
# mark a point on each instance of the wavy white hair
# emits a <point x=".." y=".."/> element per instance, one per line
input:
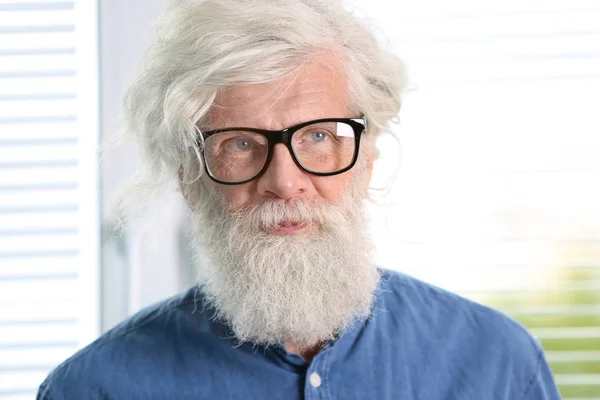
<point x="203" y="46"/>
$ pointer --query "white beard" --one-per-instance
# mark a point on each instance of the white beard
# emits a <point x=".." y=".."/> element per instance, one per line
<point x="269" y="288"/>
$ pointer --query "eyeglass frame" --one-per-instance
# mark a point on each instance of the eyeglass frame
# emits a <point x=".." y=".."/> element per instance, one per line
<point x="284" y="136"/>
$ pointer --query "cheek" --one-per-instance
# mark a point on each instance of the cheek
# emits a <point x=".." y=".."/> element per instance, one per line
<point x="333" y="188"/>
<point x="237" y="196"/>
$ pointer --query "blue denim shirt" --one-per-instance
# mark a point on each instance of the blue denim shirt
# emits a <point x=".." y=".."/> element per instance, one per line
<point x="420" y="343"/>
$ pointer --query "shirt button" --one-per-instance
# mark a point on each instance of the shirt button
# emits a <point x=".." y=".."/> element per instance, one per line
<point x="315" y="380"/>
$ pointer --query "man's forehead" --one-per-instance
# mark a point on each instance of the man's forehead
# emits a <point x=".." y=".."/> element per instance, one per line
<point x="317" y="89"/>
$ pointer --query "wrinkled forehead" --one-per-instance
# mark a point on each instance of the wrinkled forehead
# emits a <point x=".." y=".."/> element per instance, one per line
<point x="316" y="89"/>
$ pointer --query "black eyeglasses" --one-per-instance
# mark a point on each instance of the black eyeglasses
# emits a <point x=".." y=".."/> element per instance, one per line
<point x="321" y="147"/>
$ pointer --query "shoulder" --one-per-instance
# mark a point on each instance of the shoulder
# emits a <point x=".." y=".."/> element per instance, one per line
<point x="440" y="308"/>
<point x="470" y="338"/>
<point x="134" y="344"/>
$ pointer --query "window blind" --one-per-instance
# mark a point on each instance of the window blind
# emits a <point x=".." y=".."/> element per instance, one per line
<point x="498" y="194"/>
<point x="48" y="188"/>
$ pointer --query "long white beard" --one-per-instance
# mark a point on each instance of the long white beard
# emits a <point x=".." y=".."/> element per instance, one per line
<point x="302" y="288"/>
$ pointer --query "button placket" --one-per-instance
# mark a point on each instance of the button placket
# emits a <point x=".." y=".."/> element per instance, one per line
<point x="314" y="389"/>
<point x="315" y="380"/>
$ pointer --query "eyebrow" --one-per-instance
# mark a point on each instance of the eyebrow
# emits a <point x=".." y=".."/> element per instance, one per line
<point x="240" y="127"/>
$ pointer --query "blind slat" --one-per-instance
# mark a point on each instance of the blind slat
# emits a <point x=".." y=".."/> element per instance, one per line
<point x="567" y="333"/>
<point x="38" y="175"/>
<point x="39" y="220"/>
<point x="4" y="30"/>
<point x="15" y="155"/>
<point x="39" y="311"/>
<point x="40" y="242"/>
<point x="37" y="109"/>
<point x="17" y="41"/>
<point x="42" y="198"/>
<point x="31" y="133"/>
<point x="19" y="380"/>
<point x="37" y="18"/>
<point x="58" y="264"/>
<point x="16" y="291"/>
<point x="37" y="62"/>
<point x="557" y="311"/>
<point x="579" y="380"/>
<point x="571" y="356"/>
<point x="11" y="87"/>
<point x="12" y="6"/>
<point x="15" y="358"/>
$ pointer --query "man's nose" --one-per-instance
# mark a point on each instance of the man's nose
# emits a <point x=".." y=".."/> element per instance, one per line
<point x="283" y="178"/>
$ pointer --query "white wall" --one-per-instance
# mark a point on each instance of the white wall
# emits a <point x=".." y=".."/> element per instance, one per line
<point x="137" y="269"/>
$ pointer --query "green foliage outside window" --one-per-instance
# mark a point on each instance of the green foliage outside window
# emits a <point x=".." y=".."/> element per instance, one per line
<point x="575" y="361"/>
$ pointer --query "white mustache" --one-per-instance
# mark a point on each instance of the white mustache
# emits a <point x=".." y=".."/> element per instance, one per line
<point x="272" y="213"/>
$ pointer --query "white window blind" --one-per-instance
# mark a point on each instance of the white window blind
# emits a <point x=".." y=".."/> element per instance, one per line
<point x="48" y="188"/>
<point x="498" y="195"/>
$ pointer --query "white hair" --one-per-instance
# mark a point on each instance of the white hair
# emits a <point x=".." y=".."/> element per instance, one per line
<point x="203" y="46"/>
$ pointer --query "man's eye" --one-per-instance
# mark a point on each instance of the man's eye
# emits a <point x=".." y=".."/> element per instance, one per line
<point x="317" y="136"/>
<point x="240" y="144"/>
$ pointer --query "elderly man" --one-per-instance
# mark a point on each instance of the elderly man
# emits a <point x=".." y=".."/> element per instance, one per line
<point x="265" y="113"/>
